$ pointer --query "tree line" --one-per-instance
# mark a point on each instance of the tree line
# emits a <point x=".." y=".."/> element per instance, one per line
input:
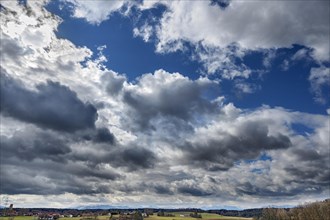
<point x="311" y="211"/>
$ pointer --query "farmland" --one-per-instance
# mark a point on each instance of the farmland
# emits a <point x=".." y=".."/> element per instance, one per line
<point x="205" y="216"/>
<point x="177" y="216"/>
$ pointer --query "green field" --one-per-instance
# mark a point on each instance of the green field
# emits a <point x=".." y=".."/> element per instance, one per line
<point x="205" y="216"/>
<point x="20" y="218"/>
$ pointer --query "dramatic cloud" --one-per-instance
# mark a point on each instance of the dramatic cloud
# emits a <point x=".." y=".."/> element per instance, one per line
<point x="133" y="158"/>
<point x="114" y="83"/>
<point x="73" y="131"/>
<point x="220" y="34"/>
<point x="51" y="106"/>
<point x="169" y="95"/>
<point x="220" y="153"/>
<point x="48" y="181"/>
<point x="31" y="146"/>
<point x="192" y="191"/>
<point x="46" y="160"/>
<point x="200" y="21"/>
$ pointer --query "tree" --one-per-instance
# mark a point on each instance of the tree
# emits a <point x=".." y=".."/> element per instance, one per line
<point x="137" y="216"/>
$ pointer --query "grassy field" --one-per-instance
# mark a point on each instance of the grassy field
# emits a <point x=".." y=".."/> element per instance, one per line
<point x="20" y="218"/>
<point x="205" y="216"/>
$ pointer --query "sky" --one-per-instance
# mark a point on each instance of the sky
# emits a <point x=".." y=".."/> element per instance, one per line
<point x="164" y="104"/>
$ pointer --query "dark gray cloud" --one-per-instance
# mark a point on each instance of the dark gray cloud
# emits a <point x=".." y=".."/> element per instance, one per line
<point x="158" y="118"/>
<point x="52" y="106"/>
<point x="133" y="158"/>
<point x="193" y="191"/>
<point x="113" y="83"/>
<point x="311" y="168"/>
<point x="35" y="161"/>
<point x="51" y="170"/>
<point x="181" y="101"/>
<point x="220" y="154"/>
<point x="30" y="148"/>
<point x="307" y="154"/>
<point x="274" y="191"/>
<point x="10" y="49"/>
<point x="48" y="181"/>
<point x="130" y="158"/>
<point x="43" y="146"/>
<point x="104" y="135"/>
<point x="99" y="135"/>
<point x="159" y="189"/>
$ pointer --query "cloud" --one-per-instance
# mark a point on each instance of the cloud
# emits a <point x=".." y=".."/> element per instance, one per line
<point x="221" y="3"/>
<point x="213" y="27"/>
<point x="34" y="145"/>
<point x="220" y="27"/>
<point x="304" y="54"/>
<point x="25" y="181"/>
<point x="133" y="158"/>
<point x="320" y="81"/>
<point x="95" y="11"/>
<point x="162" y="134"/>
<point x="192" y="191"/>
<point x="163" y="94"/>
<point x="52" y="106"/>
<point x="163" y="190"/>
<point x="245" y="88"/>
<point x="114" y="83"/>
<point x="220" y="152"/>
<point x="216" y="37"/>
<point x="104" y="135"/>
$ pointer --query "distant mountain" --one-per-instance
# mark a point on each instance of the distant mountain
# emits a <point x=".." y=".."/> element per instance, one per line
<point x="101" y="207"/>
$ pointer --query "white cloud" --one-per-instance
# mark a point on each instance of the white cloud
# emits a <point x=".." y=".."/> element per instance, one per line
<point x="144" y="31"/>
<point x="95" y="11"/>
<point x="178" y="114"/>
<point x="301" y="55"/>
<point x="320" y="78"/>
<point x="245" y="88"/>
<point x="246" y="26"/>
<point x="253" y="25"/>
<point x="220" y="36"/>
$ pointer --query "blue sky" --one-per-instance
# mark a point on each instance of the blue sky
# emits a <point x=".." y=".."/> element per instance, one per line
<point x="277" y="86"/>
<point x="123" y="103"/>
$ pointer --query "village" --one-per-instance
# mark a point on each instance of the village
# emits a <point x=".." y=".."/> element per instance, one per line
<point x="54" y="214"/>
<point x="92" y="214"/>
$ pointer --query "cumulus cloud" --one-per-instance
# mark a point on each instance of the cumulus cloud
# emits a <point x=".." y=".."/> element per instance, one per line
<point x="247" y="142"/>
<point x="219" y="34"/>
<point x="220" y="28"/>
<point x="36" y="161"/>
<point x="320" y="82"/>
<point x="245" y="88"/>
<point x="220" y="39"/>
<point x="51" y="106"/>
<point x="114" y="83"/>
<point x="133" y="158"/>
<point x="168" y="95"/>
<point x="95" y="11"/>
<point x="29" y="146"/>
<point x="162" y="134"/>
<point x="192" y="191"/>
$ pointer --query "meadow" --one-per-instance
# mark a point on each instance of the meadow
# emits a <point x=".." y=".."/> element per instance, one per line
<point x="205" y="216"/>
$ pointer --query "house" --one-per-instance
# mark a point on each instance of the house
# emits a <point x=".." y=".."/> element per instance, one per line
<point x="48" y="216"/>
